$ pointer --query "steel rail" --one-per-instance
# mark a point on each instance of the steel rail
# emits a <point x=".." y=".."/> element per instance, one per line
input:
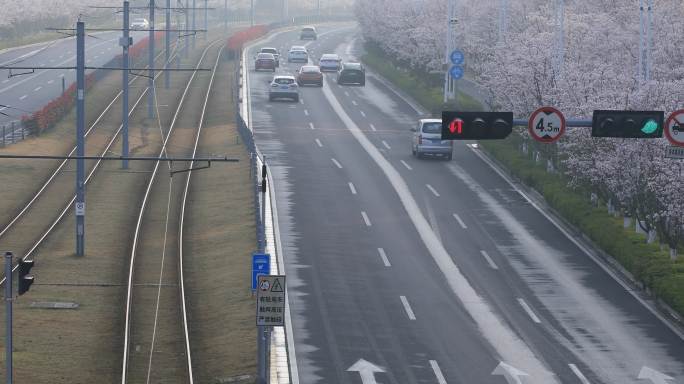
<point x="136" y="236"/>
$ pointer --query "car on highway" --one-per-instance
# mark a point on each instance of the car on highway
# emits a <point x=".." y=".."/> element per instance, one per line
<point x="283" y="87"/>
<point x="274" y="51"/>
<point x="351" y="73"/>
<point x="310" y="74"/>
<point x="265" y="61"/>
<point x="427" y="140"/>
<point x="140" y="23"/>
<point x="329" y="62"/>
<point x="308" y="33"/>
<point x="297" y="53"/>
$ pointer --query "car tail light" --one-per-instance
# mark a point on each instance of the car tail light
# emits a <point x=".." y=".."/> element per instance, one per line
<point x="420" y="139"/>
<point x="293" y="85"/>
<point x="274" y="85"/>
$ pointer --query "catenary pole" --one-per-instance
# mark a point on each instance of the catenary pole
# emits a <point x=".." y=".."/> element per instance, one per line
<point x="125" y="43"/>
<point x="80" y="138"/>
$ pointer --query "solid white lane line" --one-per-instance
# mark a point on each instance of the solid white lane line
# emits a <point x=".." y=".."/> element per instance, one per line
<point x="337" y="163"/>
<point x="354" y="102"/>
<point x="366" y="219"/>
<point x="23" y="97"/>
<point x="373" y="128"/>
<point x="386" y="145"/>
<point x="318" y="142"/>
<point x="407" y="308"/>
<point x="362" y="113"/>
<point x="352" y="188"/>
<point x="50" y="81"/>
<point x="37" y="89"/>
<point x="306" y="112"/>
<point x="311" y="126"/>
<point x="458" y="218"/>
<point x="529" y="310"/>
<point x="491" y="262"/>
<point x="434" y="191"/>
<point x="438" y="372"/>
<point x="384" y="258"/>
<point x="578" y="373"/>
<point x="405" y="164"/>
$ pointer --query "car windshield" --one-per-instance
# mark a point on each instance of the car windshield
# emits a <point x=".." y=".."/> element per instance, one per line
<point x="307" y="29"/>
<point x="283" y="80"/>
<point x="139" y="21"/>
<point x="432" y="127"/>
<point x="311" y="70"/>
<point x="264" y="56"/>
<point x="269" y="50"/>
<point x="355" y="66"/>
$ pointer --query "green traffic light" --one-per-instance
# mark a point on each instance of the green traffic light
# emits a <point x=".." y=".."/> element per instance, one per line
<point x="650" y="127"/>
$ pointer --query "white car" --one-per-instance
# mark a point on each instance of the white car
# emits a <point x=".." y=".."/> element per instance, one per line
<point x="140" y="23"/>
<point x="298" y="53"/>
<point x="283" y="87"/>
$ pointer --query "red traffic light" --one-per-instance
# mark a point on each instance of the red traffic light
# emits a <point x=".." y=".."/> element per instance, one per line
<point x="456" y="126"/>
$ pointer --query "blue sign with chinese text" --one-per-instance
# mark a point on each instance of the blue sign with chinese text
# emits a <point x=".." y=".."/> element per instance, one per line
<point x="261" y="265"/>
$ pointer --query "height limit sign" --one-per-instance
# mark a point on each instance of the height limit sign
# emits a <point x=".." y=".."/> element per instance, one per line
<point x="271" y="301"/>
<point x="546" y="125"/>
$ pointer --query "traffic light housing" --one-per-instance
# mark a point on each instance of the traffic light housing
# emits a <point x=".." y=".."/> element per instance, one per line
<point x="476" y="125"/>
<point x="25" y="280"/>
<point x="628" y="124"/>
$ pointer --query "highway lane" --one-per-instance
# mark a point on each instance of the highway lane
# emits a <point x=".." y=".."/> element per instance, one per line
<point x="541" y="289"/>
<point x="29" y="92"/>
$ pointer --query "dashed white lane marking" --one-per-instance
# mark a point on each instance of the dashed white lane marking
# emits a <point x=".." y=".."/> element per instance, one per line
<point x="373" y="128"/>
<point x="386" y="145"/>
<point x="458" y="218"/>
<point x="366" y="219"/>
<point x="434" y="191"/>
<point x="491" y="262"/>
<point x="347" y="94"/>
<point x="354" y="102"/>
<point x="50" y="81"/>
<point x="52" y="60"/>
<point x="301" y="101"/>
<point x="405" y="164"/>
<point x="352" y="188"/>
<point x="311" y="126"/>
<point x="96" y="57"/>
<point x="384" y="258"/>
<point x="318" y="142"/>
<point x="87" y="61"/>
<point x="61" y="56"/>
<point x="42" y="65"/>
<point x="337" y="163"/>
<point x="363" y="113"/>
<point x="529" y="310"/>
<point x="61" y="75"/>
<point x="23" y="97"/>
<point x="5" y="81"/>
<point x="109" y="49"/>
<point x="438" y="372"/>
<point x="37" y="89"/>
<point x="102" y="53"/>
<point x="306" y="112"/>
<point x="407" y="308"/>
<point x="578" y="373"/>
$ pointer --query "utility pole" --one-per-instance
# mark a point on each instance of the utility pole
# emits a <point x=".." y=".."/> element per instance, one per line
<point x="225" y="16"/>
<point x="80" y="138"/>
<point x="318" y="10"/>
<point x="8" y="316"/>
<point x="206" y="19"/>
<point x="503" y="20"/>
<point x="125" y="43"/>
<point x="263" y="332"/>
<point x="449" y="84"/>
<point x="150" y="59"/>
<point x="194" y="29"/>
<point x="560" y="37"/>
<point x="649" y="42"/>
<point x="251" y="12"/>
<point x="187" y="36"/>
<point x="167" y="38"/>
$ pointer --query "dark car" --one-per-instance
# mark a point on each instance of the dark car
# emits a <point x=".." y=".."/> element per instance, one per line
<point x="265" y="61"/>
<point x="310" y="74"/>
<point x="351" y="73"/>
<point x="308" y="33"/>
<point x="275" y="53"/>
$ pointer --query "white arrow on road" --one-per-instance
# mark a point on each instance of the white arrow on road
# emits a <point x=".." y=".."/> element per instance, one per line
<point x="511" y="373"/>
<point x="367" y="370"/>
<point x="656" y="377"/>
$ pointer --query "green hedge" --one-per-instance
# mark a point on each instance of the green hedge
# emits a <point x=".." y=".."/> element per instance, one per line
<point x="645" y="261"/>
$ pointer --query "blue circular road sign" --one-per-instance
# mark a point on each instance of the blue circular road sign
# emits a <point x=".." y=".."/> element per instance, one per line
<point x="457" y="57"/>
<point x="456" y="72"/>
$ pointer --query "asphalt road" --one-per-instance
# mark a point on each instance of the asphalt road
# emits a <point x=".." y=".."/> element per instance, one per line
<point x="433" y="271"/>
<point x="29" y="92"/>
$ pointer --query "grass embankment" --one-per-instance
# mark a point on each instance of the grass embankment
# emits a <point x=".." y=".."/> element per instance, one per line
<point x="646" y="262"/>
<point x="84" y="345"/>
<point x="419" y="88"/>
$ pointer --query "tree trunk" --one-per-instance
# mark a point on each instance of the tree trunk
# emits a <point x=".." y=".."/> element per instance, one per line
<point x="652" y="235"/>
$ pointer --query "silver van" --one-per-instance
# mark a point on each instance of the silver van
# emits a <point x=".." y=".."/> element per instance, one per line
<point x="427" y="140"/>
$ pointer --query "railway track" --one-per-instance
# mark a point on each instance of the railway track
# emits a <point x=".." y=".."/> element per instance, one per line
<point x="60" y="183"/>
<point x="156" y="336"/>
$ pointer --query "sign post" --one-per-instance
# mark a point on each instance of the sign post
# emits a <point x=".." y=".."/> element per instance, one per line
<point x="546" y="125"/>
<point x="270" y="312"/>
<point x="674" y="128"/>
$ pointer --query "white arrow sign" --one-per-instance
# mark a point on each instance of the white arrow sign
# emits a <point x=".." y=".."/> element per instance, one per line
<point x="509" y="372"/>
<point x="367" y="370"/>
<point x="656" y="377"/>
